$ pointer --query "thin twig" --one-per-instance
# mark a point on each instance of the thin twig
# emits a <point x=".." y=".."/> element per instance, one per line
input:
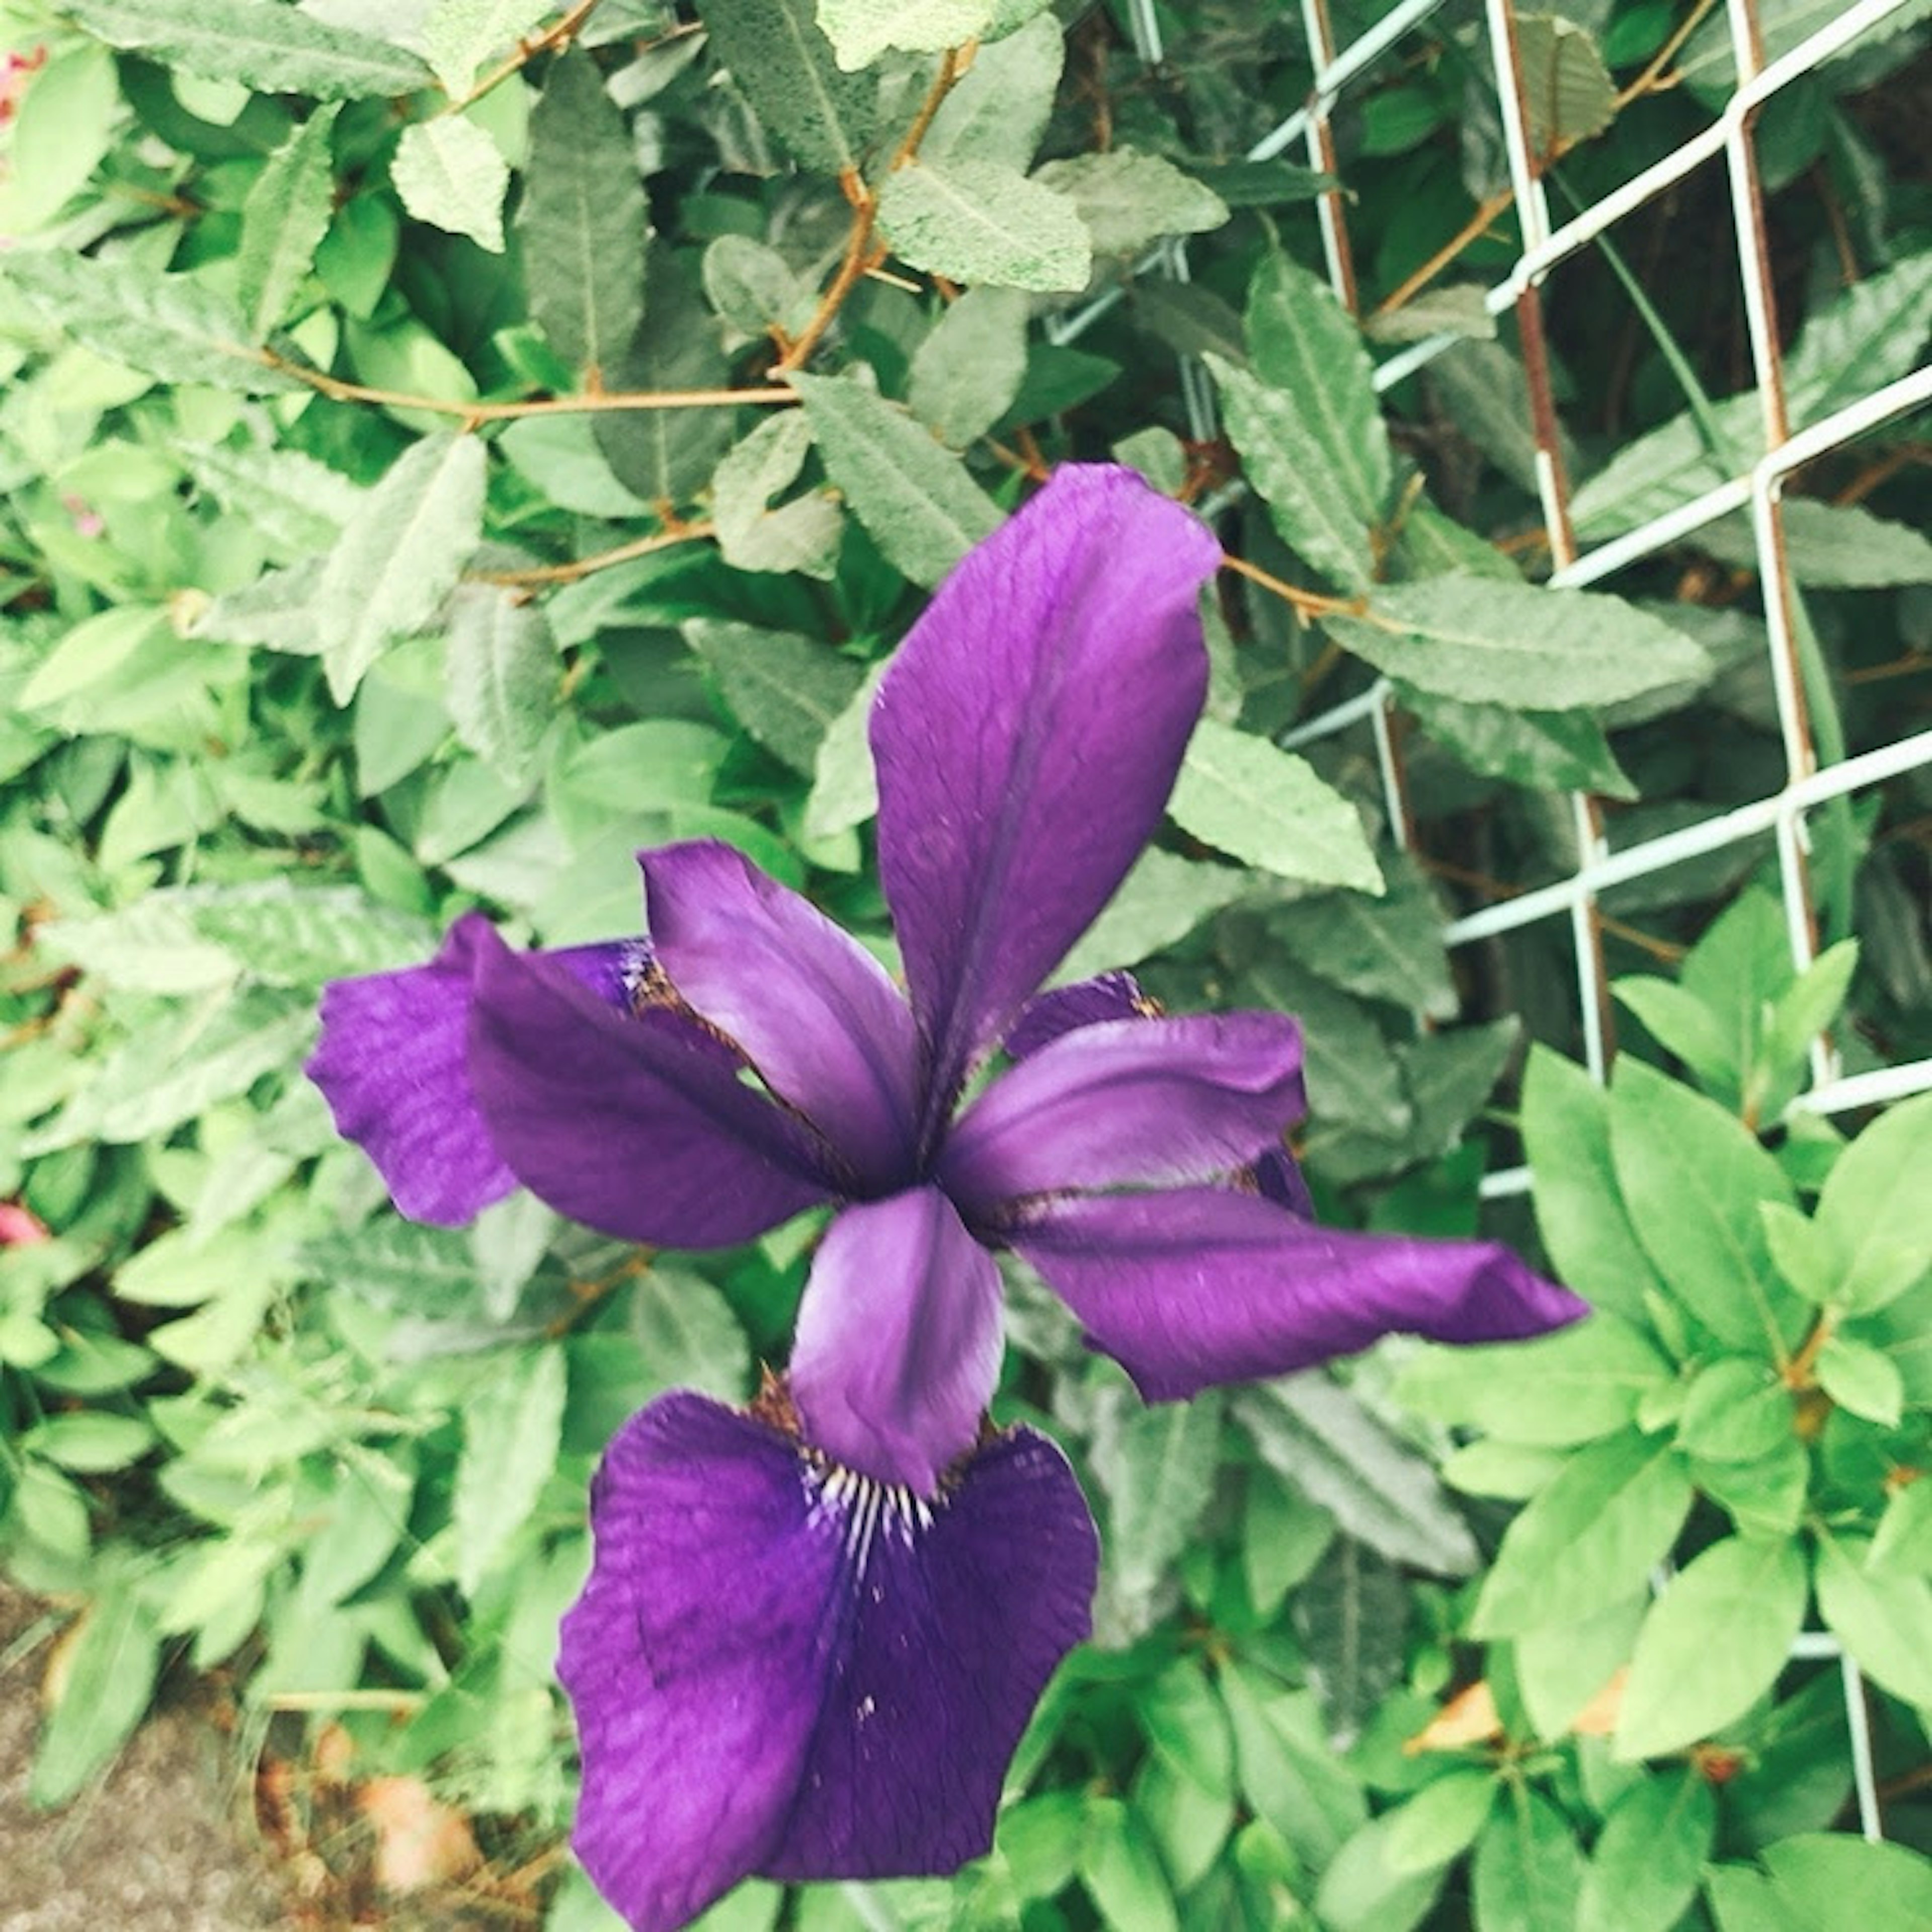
<point x="1653" y="80"/>
<point x="538" y="575"/>
<point x="1308" y="603"/>
<point x="559" y="34"/>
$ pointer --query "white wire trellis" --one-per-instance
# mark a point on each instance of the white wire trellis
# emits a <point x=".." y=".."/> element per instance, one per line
<point x="1806" y="784"/>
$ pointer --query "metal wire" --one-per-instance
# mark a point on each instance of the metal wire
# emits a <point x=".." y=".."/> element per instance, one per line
<point x="1759" y="490"/>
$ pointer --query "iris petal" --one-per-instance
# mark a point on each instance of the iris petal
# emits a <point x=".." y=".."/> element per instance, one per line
<point x="1134" y="1101"/>
<point x="1107" y="996"/>
<point x="1197" y="1286"/>
<point x="899" y="1339"/>
<point x="779" y="1667"/>
<point x="632" y="1125"/>
<point x="1027" y="737"/>
<point x="394" y="1065"/>
<point x="817" y="1014"/>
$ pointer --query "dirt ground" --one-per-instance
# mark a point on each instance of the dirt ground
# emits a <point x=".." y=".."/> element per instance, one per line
<point x="162" y="1846"/>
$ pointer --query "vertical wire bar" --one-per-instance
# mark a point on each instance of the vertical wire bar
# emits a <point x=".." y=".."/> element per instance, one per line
<point x="1864" y="1777"/>
<point x="1321" y="156"/>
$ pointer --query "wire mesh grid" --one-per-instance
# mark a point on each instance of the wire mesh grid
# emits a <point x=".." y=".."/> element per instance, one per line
<point x="1808" y="782"/>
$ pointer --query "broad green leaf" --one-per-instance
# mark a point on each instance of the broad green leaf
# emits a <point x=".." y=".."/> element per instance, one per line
<point x="1266" y="807"/>
<point x="1321" y="1439"/>
<point x="1830" y="546"/>
<point x="1129" y="200"/>
<point x="1833" y="1879"/>
<point x="1288" y="1770"/>
<point x="1354" y="1083"/>
<point x="1283" y="1537"/>
<point x="170" y="326"/>
<point x="1735" y="1411"/>
<point x="1187" y="1724"/>
<point x="511" y="1423"/>
<point x="1303" y="343"/>
<point x="787" y="690"/>
<point x="1541" y="751"/>
<point x="297" y="505"/>
<point x="275" y="49"/>
<point x="62" y="123"/>
<point x="1708" y="63"/>
<point x="1528" y="1869"/>
<point x="1861" y="1380"/>
<point x="401" y="555"/>
<point x="286" y="215"/>
<point x="754" y="287"/>
<point x="783" y="63"/>
<point x="89" y="1441"/>
<point x="451" y="174"/>
<point x="1122" y="1870"/>
<point x="113" y="1657"/>
<point x="1389" y="948"/>
<point x="686" y="1335"/>
<point x="983" y="222"/>
<point x="802" y="536"/>
<point x="1479" y="639"/>
<point x="1591" y="1537"/>
<point x="1692" y="1176"/>
<point x="1351" y="1615"/>
<point x="1879" y="1618"/>
<point x="1661" y="471"/>
<point x="458" y="36"/>
<point x="967" y="372"/>
<point x="1441" y="1821"/>
<point x="915" y="498"/>
<point x="862" y="30"/>
<point x="1162" y="899"/>
<point x="1712" y="1645"/>
<point x="1190" y="1826"/>
<point x="1361" y="1890"/>
<point x="398" y="1264"/>
<point x="500" y="678"/>
<point x="1581" y="1382"/>
<point x="1870" y="335"/>
<point x="1743" y="1900"/>
<point x="1645" y="1866"/>
<point x="1874" y="1206"/>
<point x="1903" y="1544"/>
<point x="999" y="110"/>
<point x="1681" y="1023"/>
<point x="583" y="222"/>
<point x="1579" y="1212"/>
<point x="1156" y="1469"/>
<point x="96" y="650"/>
<point x="1305" y="499"/>
<point x="1561" y="1668"/>
<point x="844" y="788"/>
<point x="1567" y="91"/>
<point x="287" y="934"/>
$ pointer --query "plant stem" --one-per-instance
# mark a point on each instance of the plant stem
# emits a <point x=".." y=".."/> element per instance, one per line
<point x="541" y="574"/>
<point x="559" y="34"/>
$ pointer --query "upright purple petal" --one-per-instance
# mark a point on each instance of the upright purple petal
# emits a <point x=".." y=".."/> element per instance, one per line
<point x="630" y="1125"/>
<point x="1129" y="1102"/>
<point x="1196" y="1286"/>
<point x="899" y="1339"/>
<point x="393" y="1064"/>
<point x="1027" y="738"/>
<point x="818" y="1016"/>
<point x="780" y="1667"/>
<point x="1107" y="996"/>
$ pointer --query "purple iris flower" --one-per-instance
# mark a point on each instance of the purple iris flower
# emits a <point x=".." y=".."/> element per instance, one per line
<point x="815" y="1631"/>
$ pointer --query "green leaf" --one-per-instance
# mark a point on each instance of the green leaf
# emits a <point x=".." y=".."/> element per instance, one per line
<point x="787" y="690"/>
<point x="915" y="499"/>
<point x="500" y="678"/>
<point x="1870" y="335"/>
<point x="1579" y="1212"/>
<point x="275" y="49"/>
<point x="1830" y="546"/>
<point x="1288" y="1770"/>
<point x="1861" y="1379"/>
<point x="998" y="110"/>
<point x="1904" y="1543"/>
<point x="686" y="1335"/>
<point x="1692" y="1176"/>
<point x="1880" y="1618"/>
<point x="1266" y="806"/>
<point x="1567" y="91"/>
<point x="583" y="223"/>
<point x="1874" y="1206"/>
<point x="1161" y="900"/>
<point x="1304" y="345"/>
<point x="862" y="30"/>
<point x="1528" y="1869"/>
<point x="1129" y="200"/>
<point x="1122" y="1870"/>
<point x="1441" y="1821"/>
<point x="1362" y="1891"/>
<point x="801" y="535"/>
<point x="1187" y="1724"/>
<point x="401" y="555"/>
<point x="296" y="504"/>
<point x="398" y="1264"/>
<point x="1389" y="948"/>
<point x="844" y="788"/>
<point x="113" y="1656"/>
<point x="1541" y="751"/>
<point x="1682" y="1023"/>
<point x="983" y="222"/>
<point x="170" y="326"/>
<point x="967" y="372"/>
<point x="90" y="1441"/>
<point x="1561" y="1668"/>
<point x="458" y="36"/>
<point x="286" y="215"/>
<point x="450" y="174"/>
<point x="1351" y="1615"/>
<point x="1712" y="1645"/>
<point x="511" y="1425"/>
<point x="783" y="63"/>
<point x="1592" y="1537"/>
<point x="1321" y="1439"/>
<point x="290" y="935"/>
<point x="1283" y="1537"/>
<point x="1735" y="1411"/>
<point x="1583" y="1382"/>
<point x="1831" y="1879"/>
<point x="1743" y="1900"/>
<point x="754" y="287"/>
<point x="1155" y="1468"/>
<point x="1645" y="1867"/>
<point x="1309" y="507"/>
<point x="1479" y="639"/>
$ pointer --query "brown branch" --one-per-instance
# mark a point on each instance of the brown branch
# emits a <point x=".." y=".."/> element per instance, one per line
<point x="559" y="34"/>
<point x="1471" y="230"/>
<point x="1307" y="603"/>
<point x="1653" y="80"/>
<point x="538" y="575"/>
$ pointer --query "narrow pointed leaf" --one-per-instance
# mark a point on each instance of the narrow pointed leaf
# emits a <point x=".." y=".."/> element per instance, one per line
<point x="980" y="221"/>
<point x="782" y="61"/>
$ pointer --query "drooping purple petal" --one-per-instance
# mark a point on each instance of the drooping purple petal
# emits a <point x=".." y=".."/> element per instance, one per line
<point x="629" y="1125"/>
<point x="1107" y="996"/>
<point x="780" y="1667"/>
<point x="1129" y="1102"/>
<point x="393" y="1064"/>
<point x="899" y="1339"/>
<point x="1027" y="737"/>
<point x="1197" y="1286"/>
<point x="817" y="1014"/>
<point x="1278" y="1177"/>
